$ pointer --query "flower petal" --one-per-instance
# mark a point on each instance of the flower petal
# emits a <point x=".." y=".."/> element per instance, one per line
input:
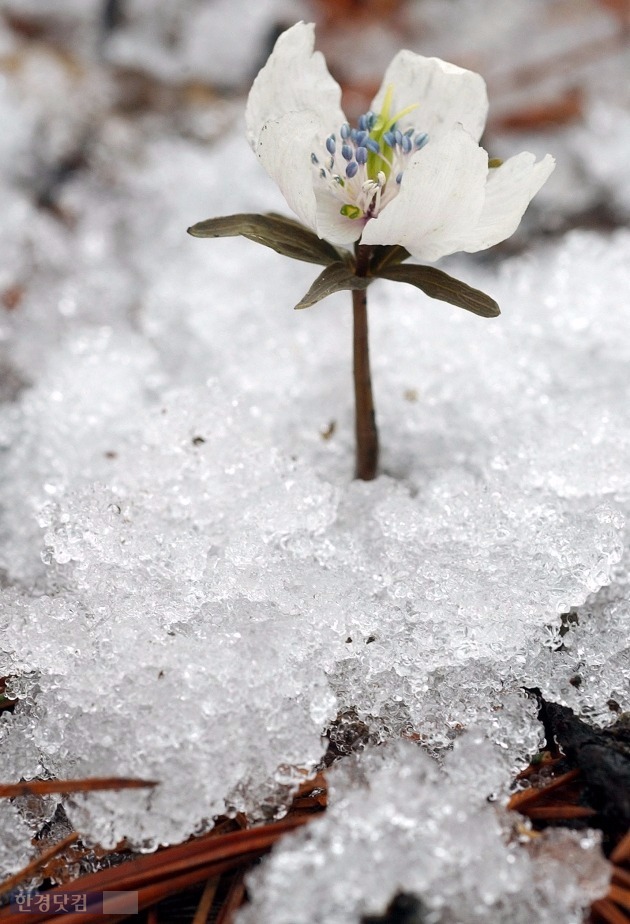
<point x="332" y="226"/>
<point x="440" y="199"/>
<point x="446" y="94"/>
<point x="284" y="149"/>
<point x="509" y="190"/>
<point x="294" y="79"/>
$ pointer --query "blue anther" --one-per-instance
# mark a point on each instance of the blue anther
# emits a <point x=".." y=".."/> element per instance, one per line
<point x="322" y="173"/>
<point x="331" y="163"/>
<point x="347" y="152"/>
<point x="351" y="169"/>
<point x="363" y="123"/>
<point x="331" y="147"/>
<point x="398" y="135"/>
<point x="373" y="145"/>
<point x="410" y="132"/>
<point x="406" y="144"/>
<point x="389" y="139"/>
<point x="353" y="134"/>
<point x="371" y="119"/>
<point x="399" y="178"/>
<point x="362" y="155"/>
<point x="362" y="137"/>
<point x="344" y="131"/>
<point x="421" y="140"/>
<point x="314" y="158"/>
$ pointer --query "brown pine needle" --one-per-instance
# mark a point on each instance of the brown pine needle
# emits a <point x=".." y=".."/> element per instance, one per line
<point x="318" y="782"/>
<point x="233" y="899"/>
<point x="206" y="900"/>
<point x="621" y="876"/>
<point x="150" y="895"/>
<point x="527" y="796"/>
<point x="45" y="787"/>
<point x="31" y="868"/>
<point x="156" y="876"/>
<point x="609" y="912"/>
<point x="559" y="812"/>
<point x="313" y="794"/>
<point x="224" y="827"/>
<point x="621" y="853"/>
<point x="196" y="876"/>
<point x="310" y="803"/>
<point x="620" y="896"/>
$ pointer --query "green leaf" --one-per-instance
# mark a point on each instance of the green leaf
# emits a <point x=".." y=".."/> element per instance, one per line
<point x="386" y="255"/>
<point x="333" y="279"/>
<point x="438" y="284"/>
<point x="285" y="236"/>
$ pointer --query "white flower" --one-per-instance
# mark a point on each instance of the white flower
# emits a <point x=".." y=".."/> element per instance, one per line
<point x="411" y="172"/>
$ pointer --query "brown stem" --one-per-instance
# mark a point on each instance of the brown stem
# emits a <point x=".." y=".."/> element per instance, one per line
<point x="365" y="421"/>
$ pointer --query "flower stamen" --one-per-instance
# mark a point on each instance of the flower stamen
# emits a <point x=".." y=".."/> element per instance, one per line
<point x="359" y="168"/>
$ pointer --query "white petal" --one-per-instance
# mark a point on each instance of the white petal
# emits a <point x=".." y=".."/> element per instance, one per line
<point x="440" y="199"/>
<point x="446" y="94"/>
<point x="284" y="149"/>
<point x="331" y="224"/>
<point x="509" y="190"/>
<point x="294" y="79"/>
